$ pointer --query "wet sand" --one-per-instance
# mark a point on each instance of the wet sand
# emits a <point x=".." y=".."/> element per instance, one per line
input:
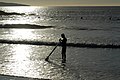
<point x="11" y="77"/>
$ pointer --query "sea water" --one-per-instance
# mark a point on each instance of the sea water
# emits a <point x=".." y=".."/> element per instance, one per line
<point x="81" y="25"/>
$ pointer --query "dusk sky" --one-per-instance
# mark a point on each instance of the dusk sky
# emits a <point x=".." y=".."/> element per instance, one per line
<point x="67" y="2"/>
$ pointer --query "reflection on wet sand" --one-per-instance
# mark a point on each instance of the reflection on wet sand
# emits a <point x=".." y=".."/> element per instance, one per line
<point x="11" y="77"/>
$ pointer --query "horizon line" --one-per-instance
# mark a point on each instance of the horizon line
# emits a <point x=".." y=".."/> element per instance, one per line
<point x="58" y="4"/>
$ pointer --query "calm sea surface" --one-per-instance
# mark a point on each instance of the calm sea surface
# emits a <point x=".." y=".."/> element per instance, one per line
<point x="82" y="25"/>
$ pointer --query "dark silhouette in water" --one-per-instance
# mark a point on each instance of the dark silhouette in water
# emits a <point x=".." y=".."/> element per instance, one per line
<point x="81" y="17"/>
<point x="110" y="18"/>
<point x="63" y="44"/>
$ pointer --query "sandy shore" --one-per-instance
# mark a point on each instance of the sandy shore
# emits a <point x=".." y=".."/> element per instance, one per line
<point x="11" y="77"/>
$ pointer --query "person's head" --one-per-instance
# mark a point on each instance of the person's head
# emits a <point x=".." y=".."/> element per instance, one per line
<point x="63" y="35"/>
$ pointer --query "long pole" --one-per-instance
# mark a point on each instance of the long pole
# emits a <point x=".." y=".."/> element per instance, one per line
<point x="46" y="59"/>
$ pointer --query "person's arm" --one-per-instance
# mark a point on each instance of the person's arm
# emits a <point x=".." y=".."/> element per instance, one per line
<point x="60" y="40"/>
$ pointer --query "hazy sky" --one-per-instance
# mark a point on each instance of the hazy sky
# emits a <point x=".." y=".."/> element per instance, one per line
<point x="67" y="2"/>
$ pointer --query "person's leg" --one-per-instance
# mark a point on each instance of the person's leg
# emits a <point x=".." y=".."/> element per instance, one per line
<point x="63" y="55"/>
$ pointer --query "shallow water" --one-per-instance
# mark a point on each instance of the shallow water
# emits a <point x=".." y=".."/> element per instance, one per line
<point x="82" y="63"/>
<point x="26" y="60"/>
<point x="53" y="35"/>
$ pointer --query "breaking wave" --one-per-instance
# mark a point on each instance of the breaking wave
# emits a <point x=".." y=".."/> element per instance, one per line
<point x="28" y="26"/>
<point x="83" y="45"/>
<point x="10" y="13"/>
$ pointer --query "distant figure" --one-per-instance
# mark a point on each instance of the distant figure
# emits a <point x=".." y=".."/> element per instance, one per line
<point x="63" y="44"/>
<point x="110" y="18"/>
<point x="81" y="17"/>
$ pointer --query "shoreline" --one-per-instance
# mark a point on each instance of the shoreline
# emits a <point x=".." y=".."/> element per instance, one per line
<point x="13" y="77"/>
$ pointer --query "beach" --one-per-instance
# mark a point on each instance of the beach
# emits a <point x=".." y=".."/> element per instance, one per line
<point x="29" y="34"/>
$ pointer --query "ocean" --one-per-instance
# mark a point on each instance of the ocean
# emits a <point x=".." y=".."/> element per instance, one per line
<point x="29" y="33"/>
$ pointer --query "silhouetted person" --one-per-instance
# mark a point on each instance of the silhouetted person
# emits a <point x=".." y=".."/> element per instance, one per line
<point x="81" y="17"/>
<point x="63" y="44"/>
